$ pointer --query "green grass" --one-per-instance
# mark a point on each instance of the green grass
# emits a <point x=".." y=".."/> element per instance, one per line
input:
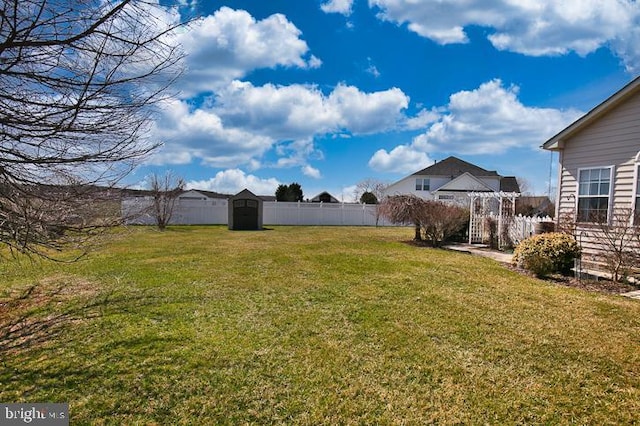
<point x="314" y="325"/>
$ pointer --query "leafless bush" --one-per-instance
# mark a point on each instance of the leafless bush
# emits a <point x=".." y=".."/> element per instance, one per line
<point x="436" y="220"/>
<point x="164" y="190"/>
<point x="617" y="239"/>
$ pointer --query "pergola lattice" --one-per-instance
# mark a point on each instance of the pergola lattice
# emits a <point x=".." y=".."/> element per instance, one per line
<point x="486" y="206"/>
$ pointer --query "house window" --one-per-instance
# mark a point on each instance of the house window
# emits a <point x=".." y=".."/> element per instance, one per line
<point x="422" y="184"/>
<point x="594" y="186"/>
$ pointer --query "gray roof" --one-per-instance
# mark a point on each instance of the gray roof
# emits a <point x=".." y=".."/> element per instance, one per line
<point x="509" y="184"/>
<point x="210" y="194"/>
<point x="454" y="167"/>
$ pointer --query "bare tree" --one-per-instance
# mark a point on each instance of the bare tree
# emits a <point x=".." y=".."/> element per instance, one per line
<point x="370" y="185"/>
<point x="368" y="190"/>
<point x="79" y="83"/>
<point x="404" y="209"/>
<point x="525" y="186"/>
<point x="618" y="239"/>
<point x="164" y="190"/>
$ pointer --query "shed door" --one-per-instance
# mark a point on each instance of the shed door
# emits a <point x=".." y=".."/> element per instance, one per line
<point x="245" y="214"/>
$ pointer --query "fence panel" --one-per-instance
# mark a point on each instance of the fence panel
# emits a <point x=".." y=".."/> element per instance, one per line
<point x="200" y="212"/>
<point x="521" y="227"/>
<point x="518" y="227"/>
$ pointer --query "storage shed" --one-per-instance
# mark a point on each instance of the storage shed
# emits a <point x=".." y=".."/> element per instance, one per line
<point x="245" y="211"/>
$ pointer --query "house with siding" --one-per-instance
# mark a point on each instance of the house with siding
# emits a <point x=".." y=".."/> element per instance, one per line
<point x="598" y="173"/>
<point x="451" y="180"/>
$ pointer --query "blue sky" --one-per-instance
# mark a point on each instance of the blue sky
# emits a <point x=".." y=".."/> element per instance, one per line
<point x="328" y="93"/>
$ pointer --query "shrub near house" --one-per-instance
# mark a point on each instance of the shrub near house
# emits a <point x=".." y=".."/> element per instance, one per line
<point x="544" y="254"/>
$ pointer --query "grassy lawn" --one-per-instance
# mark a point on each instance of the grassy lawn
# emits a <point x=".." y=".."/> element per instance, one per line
<point x="312" y="325"/>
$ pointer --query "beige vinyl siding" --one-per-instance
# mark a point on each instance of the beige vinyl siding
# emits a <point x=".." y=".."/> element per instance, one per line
<point x="611" y="141"/>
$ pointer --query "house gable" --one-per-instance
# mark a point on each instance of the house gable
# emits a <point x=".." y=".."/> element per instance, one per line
<point x="465" y="183"/>
<point x="441" y="175"/>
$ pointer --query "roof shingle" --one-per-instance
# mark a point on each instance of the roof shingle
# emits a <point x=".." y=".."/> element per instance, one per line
<point x="454" y="167"/>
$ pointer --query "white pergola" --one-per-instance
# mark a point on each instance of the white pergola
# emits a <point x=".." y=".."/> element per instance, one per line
<point x="483" y="206"/>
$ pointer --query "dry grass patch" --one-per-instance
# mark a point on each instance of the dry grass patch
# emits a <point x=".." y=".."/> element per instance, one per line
<point x="34" y="314"/>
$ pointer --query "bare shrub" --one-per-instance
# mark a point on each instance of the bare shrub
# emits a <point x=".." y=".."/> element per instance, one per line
<point x="436" y="220"/>
<point x="164" y="190"/>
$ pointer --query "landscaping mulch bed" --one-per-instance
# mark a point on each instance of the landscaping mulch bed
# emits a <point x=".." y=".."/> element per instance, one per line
<point x="600" y="285"/>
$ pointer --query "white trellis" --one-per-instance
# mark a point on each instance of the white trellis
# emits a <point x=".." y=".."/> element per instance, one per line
<point x="485" y="205"/>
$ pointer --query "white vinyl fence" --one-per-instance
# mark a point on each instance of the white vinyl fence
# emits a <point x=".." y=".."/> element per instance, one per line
<point x="215" y="212"/>
<point x="522" y="227"/>
<point x="516" y="227"/>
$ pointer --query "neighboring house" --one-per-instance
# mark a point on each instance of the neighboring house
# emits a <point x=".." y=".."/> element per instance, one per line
<point x="452" y="179"/>
<point x="324" y="197"/>
<point x="199" y="196"/>
<point x="599" y="158"/>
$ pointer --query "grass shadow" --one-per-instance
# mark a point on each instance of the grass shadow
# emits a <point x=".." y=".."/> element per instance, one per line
<point x="37" y="314"/>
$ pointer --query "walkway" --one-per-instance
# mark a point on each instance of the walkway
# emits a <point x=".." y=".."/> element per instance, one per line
<point x="481" y="250"/>
<point x="633" y="294"/>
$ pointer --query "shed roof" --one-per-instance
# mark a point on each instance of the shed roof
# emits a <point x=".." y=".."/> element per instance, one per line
<point x="246" y="194"/>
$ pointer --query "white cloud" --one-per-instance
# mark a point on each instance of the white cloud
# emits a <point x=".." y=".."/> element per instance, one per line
<point x="363" y="113"/>
<point x="530" y="27"/>
<point x="311" y="172"/>
<point x="297" y="111"/>
<point x="191" y="4"/>
<point x="230" y="43"/>
<point x="232" y="181"/>
<point x="348" y="194"/>
<point x="627" y="46"/>
<point x="283" y="112"/>
<point x="242" y="122"/>
<point x="201" y="133"/>
<point x="343" y="7"/>
<point x="422" y="119"/>
<point x="373" y="70"/>
<point x="491" y="119"/>
<point x="401" y="159"/>
<point x="488" y="120"/>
